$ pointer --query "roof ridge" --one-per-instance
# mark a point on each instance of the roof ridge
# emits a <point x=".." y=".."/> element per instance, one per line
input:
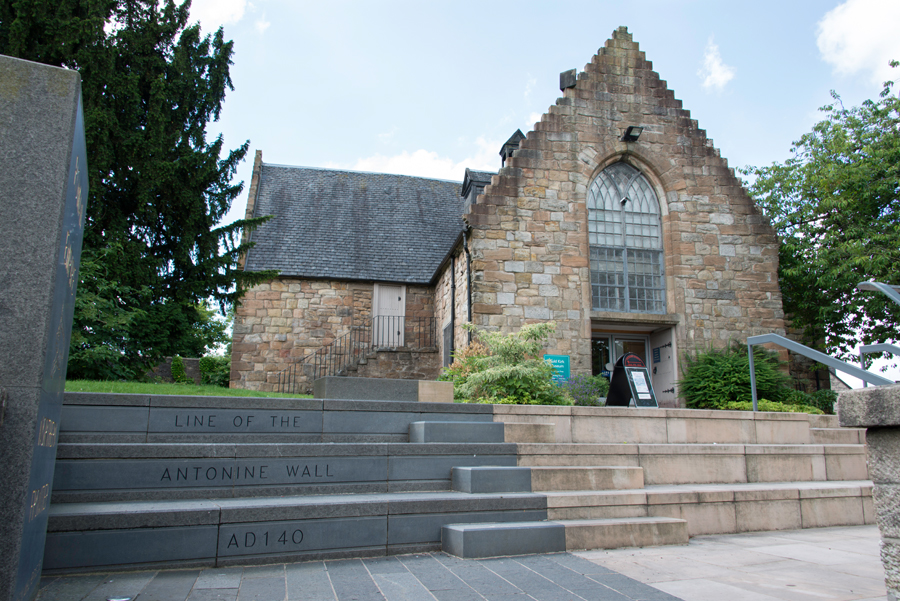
<point x="433" y="179"/>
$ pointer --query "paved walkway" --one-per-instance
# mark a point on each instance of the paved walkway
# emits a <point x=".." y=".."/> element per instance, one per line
<point x="817" y="564"/>
<point x="827" y="564"/>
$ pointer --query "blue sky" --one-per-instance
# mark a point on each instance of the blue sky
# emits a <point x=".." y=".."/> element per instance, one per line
<point x="430" y="88"/>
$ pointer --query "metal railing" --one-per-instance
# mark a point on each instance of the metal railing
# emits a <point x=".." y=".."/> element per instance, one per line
<point x="345" y="351"/>
<point x="800" y="349"/>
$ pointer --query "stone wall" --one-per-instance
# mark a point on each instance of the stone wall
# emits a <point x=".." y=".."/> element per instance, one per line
<point x="400" y="365"/>
<point x="163" y="371"/>
<point x="442" y="295"/>
<point x="530" y="241"/>
<point x="281" y="322"/>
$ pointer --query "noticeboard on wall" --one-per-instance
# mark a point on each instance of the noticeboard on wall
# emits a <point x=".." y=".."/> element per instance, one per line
<point x="560" y="364"/>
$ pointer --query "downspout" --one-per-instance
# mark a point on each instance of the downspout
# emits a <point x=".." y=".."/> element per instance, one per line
<point x="452" y="306"/>
<point x="468" y="281"/>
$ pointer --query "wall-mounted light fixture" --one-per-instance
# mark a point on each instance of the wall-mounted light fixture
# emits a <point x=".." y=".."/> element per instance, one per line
<point x="632" y="133"/>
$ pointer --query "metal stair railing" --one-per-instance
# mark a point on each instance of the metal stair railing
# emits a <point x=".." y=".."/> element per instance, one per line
<point x="380" y="332"/>
<point x="800" y="349"/>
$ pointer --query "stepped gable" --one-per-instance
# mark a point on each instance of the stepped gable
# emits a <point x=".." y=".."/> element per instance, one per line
<point x="712" y="231"/>
<point x="351" y="225"/>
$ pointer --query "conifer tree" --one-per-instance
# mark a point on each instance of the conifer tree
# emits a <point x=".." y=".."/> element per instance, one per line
<point x="158" y="188"/>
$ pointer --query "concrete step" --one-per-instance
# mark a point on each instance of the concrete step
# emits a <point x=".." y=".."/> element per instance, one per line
<point x="99" y="418"/>
<point x="824" y="421"/>
<point x="837" y="435"/>
<point x="203" y="532"/>
<point x="448" y="431"/>
<point x="709" y="463"/>
<point x="489" y="479"/>
<point x="529" y="432"/>
<point x="123" y="472"/>
<point x="522" y="538"/>
<point x="727" y="508"/>
<point x="586" y="478"/>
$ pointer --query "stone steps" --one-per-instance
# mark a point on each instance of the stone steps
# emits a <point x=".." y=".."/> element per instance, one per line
<point x="709" y="463"/>
<point x="150" y="481"/>
<point x="727" y="508"/>
<point x="126" y="472"/>
<point x="522" y="538"/>
<point x="135" y="534"/>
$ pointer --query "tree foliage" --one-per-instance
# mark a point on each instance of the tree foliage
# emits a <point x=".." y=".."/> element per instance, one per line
<point x="158" y="188"/>
<point x="836" y="206"/>
<point x="506" y="369"/>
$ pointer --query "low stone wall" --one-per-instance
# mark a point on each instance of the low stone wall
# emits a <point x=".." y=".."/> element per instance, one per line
<point x="401" y="365"/>
<point x="191" y="369"/>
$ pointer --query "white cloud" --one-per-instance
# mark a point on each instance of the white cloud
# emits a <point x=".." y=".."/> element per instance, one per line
<point x="861" y="35"/>
<point x="532" y="119"/>
<point x="262" y="25"/>
<point x="529" y="85"/>
<point x="424" y="163"/>
<point x="213" y="13"/>
<point x="714" y="72"/>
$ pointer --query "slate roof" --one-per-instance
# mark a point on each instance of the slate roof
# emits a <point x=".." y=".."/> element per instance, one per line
<point x="350" y="225"/>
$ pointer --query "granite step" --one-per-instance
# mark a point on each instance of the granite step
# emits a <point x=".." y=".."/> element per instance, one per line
<point x="523" y="538"/>
<point x="221" y="532"/>
<point x="527" y="479"/>
<point x="455" y="431"/>
<point x="124" y="472"/>
<point x="727" y="508"/>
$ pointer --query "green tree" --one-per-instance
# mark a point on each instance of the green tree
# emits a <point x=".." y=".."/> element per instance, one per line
<point x="836" y="207"/>
<point x="158" y="187"/>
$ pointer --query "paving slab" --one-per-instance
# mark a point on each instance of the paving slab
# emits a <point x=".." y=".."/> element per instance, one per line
<point x="827" y="564"/>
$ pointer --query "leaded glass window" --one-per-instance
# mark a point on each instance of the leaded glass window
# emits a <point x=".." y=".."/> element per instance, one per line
<point x="625" y="237"/>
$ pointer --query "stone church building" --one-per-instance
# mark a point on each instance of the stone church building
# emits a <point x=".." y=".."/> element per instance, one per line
<point x="615" y="217"/>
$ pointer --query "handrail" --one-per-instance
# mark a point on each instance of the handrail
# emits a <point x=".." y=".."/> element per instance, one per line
<point x="837" y="364"/>
<point x="881" y="347"/>
<point x="892" y="292"/>
<point x="379" y="332"/>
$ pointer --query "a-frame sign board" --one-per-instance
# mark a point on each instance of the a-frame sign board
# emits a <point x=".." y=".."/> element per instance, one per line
<point x="630" y="384"/>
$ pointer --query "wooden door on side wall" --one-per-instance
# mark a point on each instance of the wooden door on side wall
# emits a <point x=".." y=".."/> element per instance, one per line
<point x="389" y="315"/>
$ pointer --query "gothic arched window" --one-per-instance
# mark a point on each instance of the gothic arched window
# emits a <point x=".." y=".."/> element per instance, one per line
<point x="625" y="237"/>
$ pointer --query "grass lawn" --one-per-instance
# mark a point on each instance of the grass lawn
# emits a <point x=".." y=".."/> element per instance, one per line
<point x="180" y="389"/>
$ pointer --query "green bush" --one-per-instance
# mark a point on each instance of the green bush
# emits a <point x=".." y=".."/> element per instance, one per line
<point x="178" y="374"/>
<point x="505" y="368"/>
<point x="821" y="399"/>
<point x="764" y="405"/>
<point x="717" y="377"/>
<point x="215" y="371"/>
<point x="585" y="390"/>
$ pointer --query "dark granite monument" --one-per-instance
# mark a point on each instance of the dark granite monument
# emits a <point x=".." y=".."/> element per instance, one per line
<point x="43" y="193"/>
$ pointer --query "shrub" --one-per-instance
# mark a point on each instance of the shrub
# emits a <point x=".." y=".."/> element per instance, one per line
<point x="585" y="390"/>
<point x="505" y="368"/>
<point x="215" y="371"/>
<point x="764" y="405"/>
<point x="717" y="377"/>
<point x="178" y="374"/>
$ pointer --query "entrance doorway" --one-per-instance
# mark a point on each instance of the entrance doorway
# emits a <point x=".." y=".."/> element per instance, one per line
<point x="655" y="347"/>
<point x="389" y="315"/>
<point x="609" y="347"/>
